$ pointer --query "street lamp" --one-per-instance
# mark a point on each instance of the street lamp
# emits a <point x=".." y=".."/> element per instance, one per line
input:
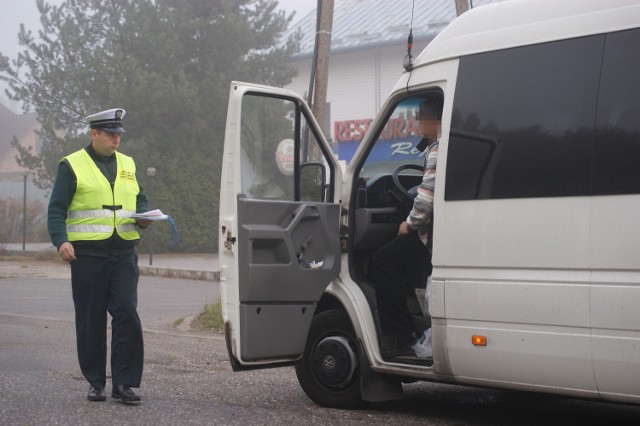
<point x="151" y="173"/>
<point x="24" y="213"/>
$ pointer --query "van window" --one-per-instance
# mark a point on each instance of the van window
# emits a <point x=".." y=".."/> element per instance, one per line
<point x="269" y="135"/>
<point x="397" y="140"/>
<point x="522" y="123"/>
<point x="617" y="142"/>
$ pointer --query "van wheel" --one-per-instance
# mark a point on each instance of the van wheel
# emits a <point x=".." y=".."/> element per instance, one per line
<point x="329" y="372"/>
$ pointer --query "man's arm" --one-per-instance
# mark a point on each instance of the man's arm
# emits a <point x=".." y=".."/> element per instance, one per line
<point x="423" y="204"/>
<point x="142" y="206"/>
<point x="62" y="193"/>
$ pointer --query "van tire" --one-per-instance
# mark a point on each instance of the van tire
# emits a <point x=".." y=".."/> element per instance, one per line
<point x="329" y="371"/>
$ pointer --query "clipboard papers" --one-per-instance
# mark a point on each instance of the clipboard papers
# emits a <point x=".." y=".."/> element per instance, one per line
<point x="151" y="215"/>
<point x="157" y="214"/>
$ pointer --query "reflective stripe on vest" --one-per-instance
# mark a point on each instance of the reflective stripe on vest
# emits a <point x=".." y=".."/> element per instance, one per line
<point x="88" y="219"/>
<point x="100" y="229"/>
<point x="99" y="213"/>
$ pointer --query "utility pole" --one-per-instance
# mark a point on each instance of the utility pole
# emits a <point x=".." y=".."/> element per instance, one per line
<point x="323" y="46"/>
<point x="461" y="6"/>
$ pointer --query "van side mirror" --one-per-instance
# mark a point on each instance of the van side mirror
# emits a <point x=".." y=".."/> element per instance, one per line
<point x="313" y="182"/>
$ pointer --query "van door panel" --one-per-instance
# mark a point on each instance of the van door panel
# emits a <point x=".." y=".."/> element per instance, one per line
<point x="615" y="295"/>
<point x="278" y="291"/>
<point x="515" y="354"/>
<point x="279" y="245"/>
<point x="616" y="333"/>
<point x="516" y="233"/>
<point x="529" y="294"/>
<point x="271" y="237"/>
<point x="521" y="302"/>
<point x="257" y="322"/>
<point x="533" y="337"/>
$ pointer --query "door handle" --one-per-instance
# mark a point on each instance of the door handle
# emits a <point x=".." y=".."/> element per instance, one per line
<point x="230" y="241"/>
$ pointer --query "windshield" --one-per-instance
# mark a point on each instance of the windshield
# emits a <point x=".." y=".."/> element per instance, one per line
<point x="397" y="142"/>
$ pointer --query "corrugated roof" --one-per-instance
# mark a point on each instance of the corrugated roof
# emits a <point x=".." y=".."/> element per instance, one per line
<point x="368" y="23"/>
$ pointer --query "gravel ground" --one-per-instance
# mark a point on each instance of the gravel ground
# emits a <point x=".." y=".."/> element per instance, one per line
<point x="188" y="379"/>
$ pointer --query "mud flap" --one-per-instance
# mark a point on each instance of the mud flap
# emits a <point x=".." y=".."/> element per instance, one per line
<point x="376" y="387"/>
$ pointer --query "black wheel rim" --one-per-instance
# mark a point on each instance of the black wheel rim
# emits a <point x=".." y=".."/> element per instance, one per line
<point x="334" y="362"/>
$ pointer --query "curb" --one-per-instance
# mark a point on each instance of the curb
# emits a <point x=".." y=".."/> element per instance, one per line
<point x="180" y="273"/>
<point x="150" y="270"/>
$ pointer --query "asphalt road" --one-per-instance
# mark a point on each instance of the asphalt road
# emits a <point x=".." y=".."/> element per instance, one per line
<point x="188" y="380"/>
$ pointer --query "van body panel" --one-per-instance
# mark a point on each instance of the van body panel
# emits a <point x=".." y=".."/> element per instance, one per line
<point x="549" y="356"/>
<point x="615" y="234"/>
<point x="355" y="304"/>
<point x="615" y="364"/>
<point x="615" y="297"/>
<point x="519" y="23"/>
<point x="519" y="303"/>
<point x="615" y="294"/>
<point x="477" y="233"/>
<point x="538" y="332"/>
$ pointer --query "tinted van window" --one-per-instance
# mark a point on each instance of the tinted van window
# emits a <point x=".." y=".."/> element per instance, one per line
<point x="523" y="121"/>
<point x="617" y="143"/>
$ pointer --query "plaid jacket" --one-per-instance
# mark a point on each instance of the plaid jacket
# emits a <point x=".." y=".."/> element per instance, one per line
<point x="418" y="218"/>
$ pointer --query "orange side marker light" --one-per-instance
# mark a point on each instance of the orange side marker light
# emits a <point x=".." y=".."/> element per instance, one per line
<point x="477" y="340"/>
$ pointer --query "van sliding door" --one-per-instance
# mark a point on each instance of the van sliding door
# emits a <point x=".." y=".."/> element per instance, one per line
<point x="615" y="222"/>
<point x="517" y="216"/>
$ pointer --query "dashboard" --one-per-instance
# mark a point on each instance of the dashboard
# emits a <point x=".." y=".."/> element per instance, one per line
<point x="380" y="207"/>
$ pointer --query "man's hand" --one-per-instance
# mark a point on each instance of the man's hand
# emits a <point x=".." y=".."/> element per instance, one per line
<point x="143" y="223"/>
<point x="404" y="229"/>
<point x="67" y="252"/>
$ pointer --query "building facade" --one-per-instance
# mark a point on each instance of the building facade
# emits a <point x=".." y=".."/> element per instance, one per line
<point x="368" y="49"/>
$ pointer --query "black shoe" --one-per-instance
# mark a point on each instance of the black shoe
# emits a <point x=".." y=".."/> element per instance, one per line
<point x="96" y="394"/>
<point x="123" y="393"/>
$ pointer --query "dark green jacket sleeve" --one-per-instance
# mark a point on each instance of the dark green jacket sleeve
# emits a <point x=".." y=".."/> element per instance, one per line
<point x="142" y="204"/>
<point x="61" y="195"/>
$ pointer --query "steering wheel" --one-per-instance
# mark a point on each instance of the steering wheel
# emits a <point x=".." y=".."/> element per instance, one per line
<point x="412" y="193"/>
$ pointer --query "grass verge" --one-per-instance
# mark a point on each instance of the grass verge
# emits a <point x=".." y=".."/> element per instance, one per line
<point x="210" y="318"/>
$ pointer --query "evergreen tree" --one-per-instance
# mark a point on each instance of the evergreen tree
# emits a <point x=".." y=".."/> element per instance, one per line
<point x="169" y="63"/>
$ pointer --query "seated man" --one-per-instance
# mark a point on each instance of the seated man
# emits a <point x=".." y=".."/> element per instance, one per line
<point x="392" y="262"/>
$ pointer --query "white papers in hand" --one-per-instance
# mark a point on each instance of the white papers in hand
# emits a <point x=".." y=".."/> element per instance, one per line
<point x="151" y="215"/>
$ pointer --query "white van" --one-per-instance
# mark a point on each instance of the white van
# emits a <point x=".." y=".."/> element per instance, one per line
<point x="536" y="248"/>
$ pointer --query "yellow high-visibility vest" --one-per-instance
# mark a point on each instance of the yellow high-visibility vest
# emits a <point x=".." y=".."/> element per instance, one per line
<point x="95" y="209"/>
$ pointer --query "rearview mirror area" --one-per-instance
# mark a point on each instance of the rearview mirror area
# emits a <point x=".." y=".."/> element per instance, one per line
<point x="313" y="182"/>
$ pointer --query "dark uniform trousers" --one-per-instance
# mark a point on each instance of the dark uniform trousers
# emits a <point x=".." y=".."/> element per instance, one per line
<point x="102" y="284"/>
<point x="392" y="264"/>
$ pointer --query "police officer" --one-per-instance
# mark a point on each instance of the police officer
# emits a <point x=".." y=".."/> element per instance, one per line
<point x="93" y="197"/>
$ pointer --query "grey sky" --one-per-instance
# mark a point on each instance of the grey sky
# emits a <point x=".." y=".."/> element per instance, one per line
<point x="15" y="12"/>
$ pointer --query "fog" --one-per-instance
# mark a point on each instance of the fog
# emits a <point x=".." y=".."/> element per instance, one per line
<point x="16" y="12"/>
